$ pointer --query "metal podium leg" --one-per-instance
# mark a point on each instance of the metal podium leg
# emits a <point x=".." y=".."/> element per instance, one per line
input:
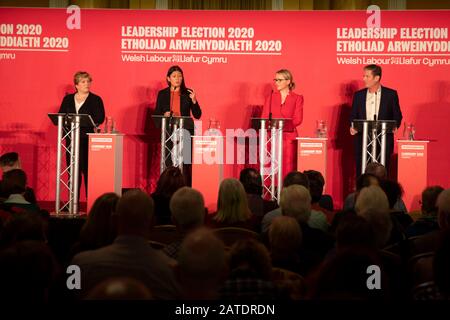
<point x="180" y="146"/>
<point x="383" y="144"/>
<point x="374" y="145"/>
<point x="58" y="164"/>
<point x="262" y="148"/>
<point x="76" y="165"/>
<point x="280" y="159"/>
<point x="273" y="139"/>
<point x="174" y="153"/>
<point x="364" y="147"/>
<point x="72" y="166"/>
<point x="162" y="163"/>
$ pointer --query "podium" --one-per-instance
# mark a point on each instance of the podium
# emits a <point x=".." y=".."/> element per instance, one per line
<point x="105" y="165"/>
<point x="68" y="129"/>
<point x="271" y="153"/>
<point x="175" y="140"/>
<point x="207" y="167"/>
<point x="373" y="140"/>
<point x="312" y="155"/>
<point x="412" y="170"/>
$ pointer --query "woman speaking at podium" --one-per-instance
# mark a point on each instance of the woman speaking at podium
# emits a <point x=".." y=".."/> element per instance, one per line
<point x="176" y="100"/>
<point x="285" y="103"/>
<point x="83" y="102"/>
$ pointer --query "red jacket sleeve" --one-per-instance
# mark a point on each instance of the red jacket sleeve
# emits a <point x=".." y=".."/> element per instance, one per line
<point x="297" y="118"/>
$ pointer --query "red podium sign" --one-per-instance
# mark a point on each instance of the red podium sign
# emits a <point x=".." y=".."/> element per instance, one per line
<point x="105" y="165"/>
<point x="412" y="170"/>
<point x="207" y="168"/>
<point x="312" y="155"/>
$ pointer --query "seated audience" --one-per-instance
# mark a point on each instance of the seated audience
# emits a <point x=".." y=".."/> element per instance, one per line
<point x="295" y="201"/>
<point x="28" y="270"/>
<point x="120" y="289"/>
<point x="170" y="181"/>
<point x="10" y="161"/>
<point x="202" y="265"/>
<point x="427" y="222"/>
<point x="232" y="207"/>
<point x="285" y="238"/>
<point x="188" y="213"/>
<point x="252" y="182"/>
<point x="130" y="255"/>
<point x="14" y="185"/>
<point x="316" y="219"/>
<point x="250" y="276"/>
<point x="100" y="228"/>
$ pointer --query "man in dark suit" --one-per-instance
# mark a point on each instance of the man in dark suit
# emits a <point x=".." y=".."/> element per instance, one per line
<point x="374" y="102"/>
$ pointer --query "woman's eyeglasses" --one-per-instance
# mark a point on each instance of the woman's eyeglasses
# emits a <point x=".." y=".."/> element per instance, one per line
<point x="279" y="80"/>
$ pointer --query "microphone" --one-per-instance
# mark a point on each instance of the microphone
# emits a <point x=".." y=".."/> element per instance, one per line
<point x="171" y="99"/>
<point x="270" y="106"/>
<point x="375" y="113"/>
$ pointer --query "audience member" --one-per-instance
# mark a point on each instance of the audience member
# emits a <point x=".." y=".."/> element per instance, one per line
<point x="130" y="255"/>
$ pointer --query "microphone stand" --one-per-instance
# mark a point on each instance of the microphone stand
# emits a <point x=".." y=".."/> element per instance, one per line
<point x="270" y="108"/>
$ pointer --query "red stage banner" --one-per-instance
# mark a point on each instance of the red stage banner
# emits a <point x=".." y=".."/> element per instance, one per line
<point x="229" y="59"/>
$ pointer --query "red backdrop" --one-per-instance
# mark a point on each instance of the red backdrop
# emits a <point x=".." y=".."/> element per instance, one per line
<point x="34" y="80"/>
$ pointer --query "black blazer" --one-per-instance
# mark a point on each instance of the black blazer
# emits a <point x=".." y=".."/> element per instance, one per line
<point x="93" y="106"/>
<point x="389" y="106"/>
<point x="186" y="105"/>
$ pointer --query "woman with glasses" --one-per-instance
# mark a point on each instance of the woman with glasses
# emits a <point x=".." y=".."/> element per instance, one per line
<point x="285" y="103"/>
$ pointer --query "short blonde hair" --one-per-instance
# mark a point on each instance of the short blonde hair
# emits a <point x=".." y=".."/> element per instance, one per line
<point x="372" y="204"/>
<point x="295" y="201"/>
<point x="81" y="75"/>
<point x="232" y="205"/>
<point x="286" y="74"/>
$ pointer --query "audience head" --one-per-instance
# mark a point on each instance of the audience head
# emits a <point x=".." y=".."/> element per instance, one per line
<point x="372" y="204"/>
<point x="316" y="184"/>
<point x="252" y="181"/>
<point x="188" y="208"/>
<point x="100" y="228"/>
<point x="429" y="198"/>
<point x="366" y="180"/>
<point x="345" y="277"/>
<point x="354" y="231"/>
<point x="202" y="265"/>
<point x="22" y="226"/>
<point x="27" y="271"/>
<point x="285" y="236"/>
<point x="443" y="204"/>
<point x="135" y="213"/>
<point x="441" y="263"/>
<point x="14" y="181"/>
<point x="296" y="177"/>
<point x="170" y="181"/>
<point x="393" y="191"/>
<point x="232" y="205"/>
<point x="376" y="169"/>
<point x="295" y="201"/>
<point x="120" y="289"/>
<point x="9" y="161"/>
<point x="249" y="258"/>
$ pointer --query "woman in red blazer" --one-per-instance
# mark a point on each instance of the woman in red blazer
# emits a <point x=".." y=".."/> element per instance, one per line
<point x="285" y="103"/>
